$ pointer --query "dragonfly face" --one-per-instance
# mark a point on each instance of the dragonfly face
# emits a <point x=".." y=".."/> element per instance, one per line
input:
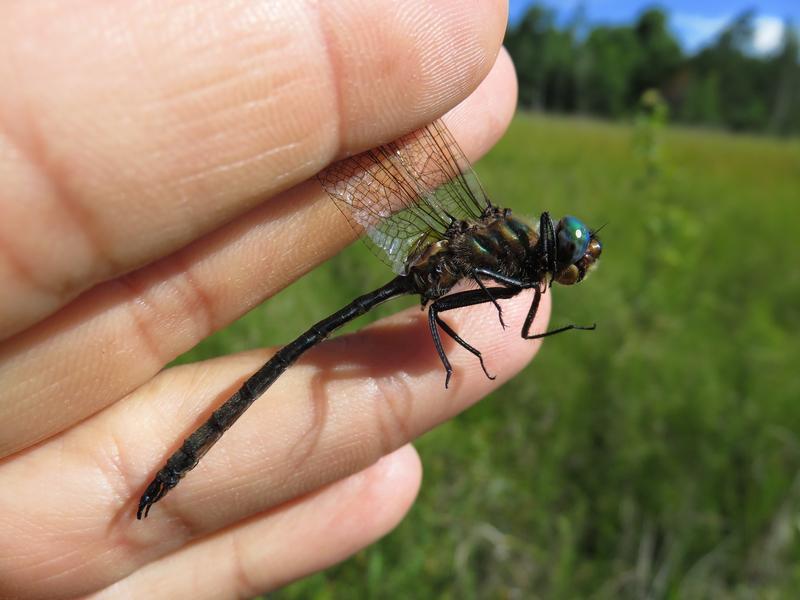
<point x="578" y="249"/>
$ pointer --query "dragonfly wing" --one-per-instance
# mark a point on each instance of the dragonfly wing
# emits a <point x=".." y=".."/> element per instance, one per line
<point x="405" y="194"/>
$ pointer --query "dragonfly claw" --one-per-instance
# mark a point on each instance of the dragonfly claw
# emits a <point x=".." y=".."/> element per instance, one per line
<point x="154" y="492"/>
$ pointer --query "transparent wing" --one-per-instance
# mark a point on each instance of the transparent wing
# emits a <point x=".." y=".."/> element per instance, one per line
<point x="406" y="194"/>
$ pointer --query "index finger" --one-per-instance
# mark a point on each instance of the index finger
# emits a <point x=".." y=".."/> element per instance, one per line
<point x="132" y="133"/>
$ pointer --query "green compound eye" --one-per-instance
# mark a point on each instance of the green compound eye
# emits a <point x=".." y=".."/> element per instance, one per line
<point x="573" y="239"/>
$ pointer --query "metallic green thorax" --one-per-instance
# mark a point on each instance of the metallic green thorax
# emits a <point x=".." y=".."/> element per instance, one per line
<point x="499" y="242"/>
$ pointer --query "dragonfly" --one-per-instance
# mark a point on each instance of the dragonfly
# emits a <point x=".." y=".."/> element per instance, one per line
<point x="426" y="215"/>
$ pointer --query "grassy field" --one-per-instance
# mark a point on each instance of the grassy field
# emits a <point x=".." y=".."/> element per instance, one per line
<point x="657" y="457"/>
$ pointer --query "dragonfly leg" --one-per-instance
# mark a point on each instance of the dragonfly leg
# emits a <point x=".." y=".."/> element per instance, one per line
<point x="526" y="327"/>
<point x="437" y="342"/>
<point x="449" y="331"/>
<point x="486" y="291"/>
<point x="504" y="279"/>
<point x="460" y="300"/>
<point x="511" y="282"/>
<point x="536" y="336"/>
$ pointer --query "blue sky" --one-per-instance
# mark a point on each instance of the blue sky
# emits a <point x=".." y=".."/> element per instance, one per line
<point x="695" y="22"/>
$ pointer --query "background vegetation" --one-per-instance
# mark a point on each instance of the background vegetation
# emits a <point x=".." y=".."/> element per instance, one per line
<point x="567" y="65"/>
<point x="657" y="457"/>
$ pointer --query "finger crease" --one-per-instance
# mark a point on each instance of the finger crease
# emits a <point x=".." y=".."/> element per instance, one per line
<point x="24" y="272"/>
<point x="141" y="311"/>
<point x="115" y="470"/>
<point x="245" y="587"/>
<point x="199" y="303"/>
<point x="335" y="73"/>
<point x="58" y="177"/>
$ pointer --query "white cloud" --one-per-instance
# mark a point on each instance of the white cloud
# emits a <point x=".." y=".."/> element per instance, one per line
<point x="696" y="30"/>
<point x="768" y="34"/>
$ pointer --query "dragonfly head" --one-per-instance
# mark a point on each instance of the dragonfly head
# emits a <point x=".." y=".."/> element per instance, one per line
<point x="578" y="249"/>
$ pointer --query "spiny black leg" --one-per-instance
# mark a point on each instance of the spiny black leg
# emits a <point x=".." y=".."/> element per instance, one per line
<point x="449" y="331"/>
<point x="489" y="295"/>
<point x="437" y="342"/>
<point x="591" y="327"/>
<point x="473" y="297"/>
<point x="460" y="300"/>
<point x="526" y="327"/>
<point x="511" y="282"/>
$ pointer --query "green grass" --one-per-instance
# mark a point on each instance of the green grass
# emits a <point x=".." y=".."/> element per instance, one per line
<point x="656" y="457"/>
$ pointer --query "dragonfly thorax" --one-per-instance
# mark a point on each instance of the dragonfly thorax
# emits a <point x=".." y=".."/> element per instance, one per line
<point x="505" y="245"/>
<point x="499" y="242"/>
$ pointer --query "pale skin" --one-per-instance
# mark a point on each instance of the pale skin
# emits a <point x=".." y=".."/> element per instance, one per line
<point x="156" y="168"/>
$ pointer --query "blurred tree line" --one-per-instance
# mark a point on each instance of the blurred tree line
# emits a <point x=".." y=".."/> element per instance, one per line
<point x="570" y="66"/>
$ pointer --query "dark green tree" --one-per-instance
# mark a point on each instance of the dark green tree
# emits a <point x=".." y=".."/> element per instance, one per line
<point x="658" y="54"/>
<point x="527" y="42"/>
<point x="785" y="116"/>
<point x="612" y="56"/>
<point x="744" y="80"/>
<point x="604" y="70"/>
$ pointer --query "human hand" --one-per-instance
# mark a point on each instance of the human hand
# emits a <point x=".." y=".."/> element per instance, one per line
<point x="154" y="168"/>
